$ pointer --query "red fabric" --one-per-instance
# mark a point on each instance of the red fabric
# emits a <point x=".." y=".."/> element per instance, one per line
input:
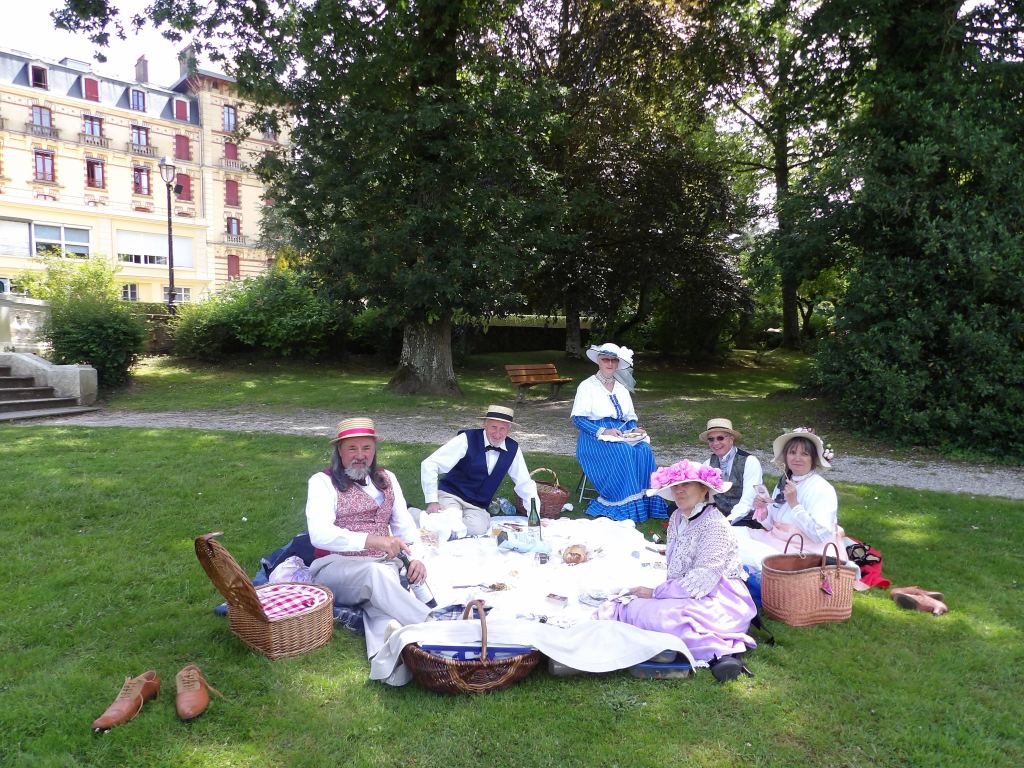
<point x="286" y="599"/>
<point x="871" y="574"/>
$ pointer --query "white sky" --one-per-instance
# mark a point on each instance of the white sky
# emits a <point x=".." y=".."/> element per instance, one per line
<point x="31" y="30"/>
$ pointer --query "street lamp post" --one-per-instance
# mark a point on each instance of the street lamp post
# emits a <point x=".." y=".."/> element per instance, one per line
<point x="168" y="174"/>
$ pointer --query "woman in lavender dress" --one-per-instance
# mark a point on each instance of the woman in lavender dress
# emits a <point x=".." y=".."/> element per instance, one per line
<point x="704" y="601"/>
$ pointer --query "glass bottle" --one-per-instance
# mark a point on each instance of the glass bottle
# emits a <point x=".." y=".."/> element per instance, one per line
<point x="533" y="522"/>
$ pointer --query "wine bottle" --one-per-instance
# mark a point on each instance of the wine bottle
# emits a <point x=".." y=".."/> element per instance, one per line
<point x="533" y="522"/>
<point x="421" y="590"/>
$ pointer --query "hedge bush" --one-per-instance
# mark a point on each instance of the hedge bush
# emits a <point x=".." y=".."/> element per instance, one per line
<point x="106" y="334"/>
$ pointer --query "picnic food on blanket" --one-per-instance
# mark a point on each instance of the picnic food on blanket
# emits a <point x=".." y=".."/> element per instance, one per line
<point x="575" y="554"/>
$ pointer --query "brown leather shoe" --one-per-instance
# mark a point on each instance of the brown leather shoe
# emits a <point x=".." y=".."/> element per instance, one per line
<point x="134" y="692"/>
<point x="920" y="602"/>
<point x="915" y="590"/>
<point x="193" y="692"/>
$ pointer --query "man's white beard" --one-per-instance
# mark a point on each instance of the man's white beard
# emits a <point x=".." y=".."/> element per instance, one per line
<point x="357" y="472"/>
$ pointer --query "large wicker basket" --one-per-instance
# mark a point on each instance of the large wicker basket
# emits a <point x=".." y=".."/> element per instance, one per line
<point x="443" y="675"/>
<point x="552" y="496"/>
<point x="290" y="635"/>
<point x="801" y="591"/>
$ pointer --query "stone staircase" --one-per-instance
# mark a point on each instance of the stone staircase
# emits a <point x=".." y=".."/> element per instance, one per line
<point x="20" y="398"/>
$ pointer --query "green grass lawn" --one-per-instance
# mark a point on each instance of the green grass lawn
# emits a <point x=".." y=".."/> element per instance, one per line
<point x="103" y="583"/>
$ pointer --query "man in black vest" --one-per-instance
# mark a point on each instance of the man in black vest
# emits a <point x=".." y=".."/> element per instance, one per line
<point x="738" y="466"/>
<point x="471" y="466"/>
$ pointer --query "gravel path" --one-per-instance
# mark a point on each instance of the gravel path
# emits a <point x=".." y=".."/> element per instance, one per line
<point x="550" y="431"/>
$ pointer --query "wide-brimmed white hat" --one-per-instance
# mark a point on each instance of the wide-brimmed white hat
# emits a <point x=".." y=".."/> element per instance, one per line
<point x="720" y="424"/>
<point x="623" y="354"/>
<point x="500" y="413"/>
<point x="780" y="443"/>
<point x="685" y="471"/>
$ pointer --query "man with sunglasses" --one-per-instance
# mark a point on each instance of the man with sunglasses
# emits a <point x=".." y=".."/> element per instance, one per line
<point x="741" y="468"/>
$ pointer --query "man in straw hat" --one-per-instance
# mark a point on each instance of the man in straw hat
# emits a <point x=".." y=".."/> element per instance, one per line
<point x="738" y="466"/>
<point x="473" y="464"/>
<point x="359" y="523"/>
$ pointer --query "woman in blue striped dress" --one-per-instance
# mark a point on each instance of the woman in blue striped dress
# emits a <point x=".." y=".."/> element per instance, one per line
<point x="610" y="449"/>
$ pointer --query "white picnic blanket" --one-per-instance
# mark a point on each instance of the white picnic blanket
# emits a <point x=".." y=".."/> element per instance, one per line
<point x="463" y="570"/>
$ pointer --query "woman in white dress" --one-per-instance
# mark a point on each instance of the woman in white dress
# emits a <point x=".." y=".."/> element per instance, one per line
<point x="803" y="502"/>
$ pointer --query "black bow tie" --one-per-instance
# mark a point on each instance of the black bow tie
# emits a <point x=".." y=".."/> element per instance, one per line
<point x="494" y="448"/>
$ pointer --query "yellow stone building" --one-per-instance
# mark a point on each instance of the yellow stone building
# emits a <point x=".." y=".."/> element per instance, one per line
<point x="80" y="174"/>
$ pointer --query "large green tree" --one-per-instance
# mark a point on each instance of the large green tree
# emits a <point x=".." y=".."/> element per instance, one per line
<point x="412" y="174"/>
<point x="929" y="342"/>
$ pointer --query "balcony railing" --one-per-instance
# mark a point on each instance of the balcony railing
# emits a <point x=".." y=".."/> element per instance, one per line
<point x="94" y="141"/>
<point x="46" y="131"/>
<point x="234" y="239"/>
<point x="147" y="150"/>
<point x="234" y="165"/>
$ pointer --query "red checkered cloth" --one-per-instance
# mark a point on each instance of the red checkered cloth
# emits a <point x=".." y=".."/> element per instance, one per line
<point x="285" y="599"/>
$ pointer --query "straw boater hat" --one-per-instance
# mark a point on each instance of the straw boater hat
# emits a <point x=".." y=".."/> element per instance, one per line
<point x="499" y="413"/>
<point x="358" y="427"/>
<point x="686" y="471"/>
<point x="623" y="354"/>
<point x="780" y="443"/>
<point x="723" y="425"/>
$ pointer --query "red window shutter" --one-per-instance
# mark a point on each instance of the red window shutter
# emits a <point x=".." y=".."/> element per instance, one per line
<point x="185" y="181"/>
<point x="231" y="192"/>
<point x="230" y="150"/>
<point x="234" y="269"/>
<point x="181" y="148"/>
<point x="180" y="109"/>
<point x="92" y="89"/>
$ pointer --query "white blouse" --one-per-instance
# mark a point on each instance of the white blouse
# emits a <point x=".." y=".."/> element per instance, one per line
<point x="594" y="402"/>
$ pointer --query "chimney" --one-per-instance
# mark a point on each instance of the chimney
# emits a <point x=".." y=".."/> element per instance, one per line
<point x="186" y="60"/>
<point x="142" y="70"/>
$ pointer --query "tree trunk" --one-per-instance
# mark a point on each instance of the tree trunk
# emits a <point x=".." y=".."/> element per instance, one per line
<point x="573" y="336"/>
<point x="425" y="367"/>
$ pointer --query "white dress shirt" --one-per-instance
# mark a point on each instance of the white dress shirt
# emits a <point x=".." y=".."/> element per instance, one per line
<point x="321" y="511"/>
<point x="451" y="453"/>
<point x="752" y="475"/>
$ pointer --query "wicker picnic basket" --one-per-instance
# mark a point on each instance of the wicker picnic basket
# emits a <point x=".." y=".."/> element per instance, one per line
<point x="801" y="591"/>
<point x="443" y="675"/>
<point x="552" y="496"/>
<point x="290" y="635"/>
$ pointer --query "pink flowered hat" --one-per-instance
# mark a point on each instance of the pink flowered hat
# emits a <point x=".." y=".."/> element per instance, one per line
<point x="686" y="471"/>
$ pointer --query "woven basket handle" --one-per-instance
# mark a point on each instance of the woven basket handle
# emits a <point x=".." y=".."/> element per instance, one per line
<point x="545" y="469"/>
<point x="824" y="555"/>
<point x="479" y="605"/>
<point x="786" y="550"/>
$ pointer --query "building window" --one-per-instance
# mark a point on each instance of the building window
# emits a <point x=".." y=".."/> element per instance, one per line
<point x="184" y="181"/>
<point x="150" y="248"/>
<point x="138" y="100"/>
<point x="72" y="242"/>
<point x="44" y="166"/>
<point x="140" y="181"/>
<point x="180" y="109"/>
<point x="91" y="86"/>
<point x="39" y="77"/>
<point x="230" y="118"/>
<point x="92" y="125"/>
<point x="182" y="149"/>
<point x="42" y="117"/>
<point x="94" y="174"/>
<point x="130" y="291"/>
<point x="231" y="195"/>
<point x="181" y="295"/>
<point x="230" y="150"/>
<point x="234" y="267"/>
<point x="140" y="136"/>
<point x="269" y="132"/>
<point x="234" y="226"/>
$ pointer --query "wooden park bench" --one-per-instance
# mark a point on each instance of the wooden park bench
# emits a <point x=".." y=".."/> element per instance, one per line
<point x="525" y="376"/>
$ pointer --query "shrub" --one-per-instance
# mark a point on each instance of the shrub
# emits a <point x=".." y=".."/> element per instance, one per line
<point x="88" y="321"/>
<point x="105" y="334"/>
<point x="277" y="314"/>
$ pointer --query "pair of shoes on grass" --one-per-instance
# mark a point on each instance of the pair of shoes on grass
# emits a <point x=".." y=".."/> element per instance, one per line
<point x="917" y="599"/>
<point x="193" y="697"/>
